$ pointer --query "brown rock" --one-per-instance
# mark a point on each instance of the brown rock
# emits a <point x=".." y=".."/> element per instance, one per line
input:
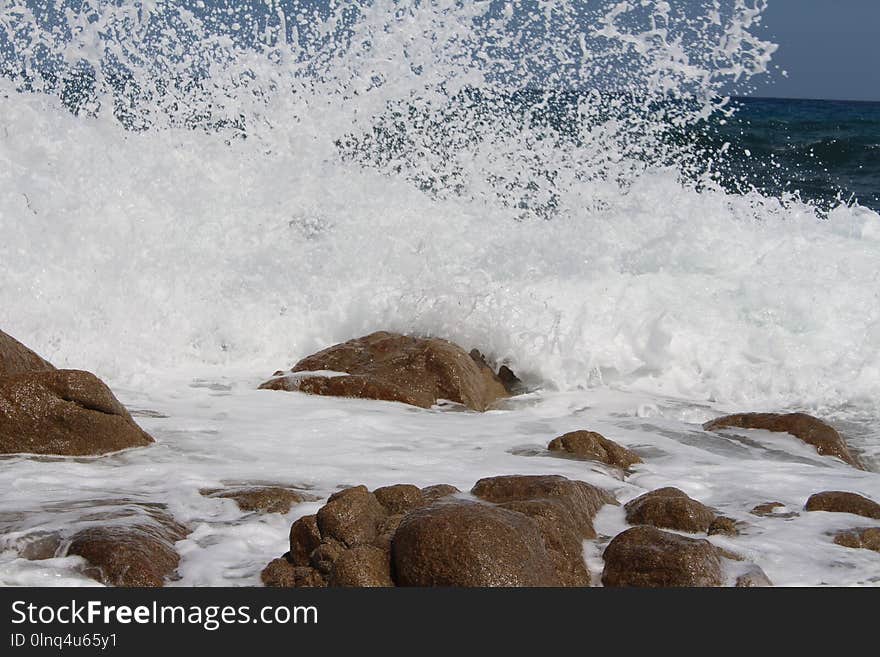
<point x="326" y="554"/>
<point x="280" y="573"/>
<point x="400" y="498"/>
<point x="382" y="365"/>
<point x="438" y="491"/>
<point x="362" y="566"/>
<point x="647" y="557"/>
<point x="470" y="544"/>
<point x="304" y="539"/>
<point x="64" y="412"/>
<point x="754" y="577"/>
<point x="594" y="447"/>
<point x="723" y="525"/>
<point x="807" y="428"/>
<point x="140" y="554"/>
<point x="767" y="508"/>
<point x="867" y="538"/>
<point x="15" y="358"/>
<point x="669" y="508"/>
<point x="265" y="499"/>
<point x="581" y="499"/>
<point x="563" y="537"/>
<point x="351" y="516"/>
<point x="843" y="502"/>
<point x="39" y="545"/>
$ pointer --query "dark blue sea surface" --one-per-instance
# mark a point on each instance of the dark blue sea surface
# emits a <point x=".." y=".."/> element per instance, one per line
<point x="828" y="151"/>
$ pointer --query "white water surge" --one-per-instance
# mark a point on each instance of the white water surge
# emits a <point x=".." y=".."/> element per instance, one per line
<point x="271" y="179"/>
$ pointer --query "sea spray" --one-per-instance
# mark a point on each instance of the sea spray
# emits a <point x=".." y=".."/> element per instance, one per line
<point x="238" y="184"/>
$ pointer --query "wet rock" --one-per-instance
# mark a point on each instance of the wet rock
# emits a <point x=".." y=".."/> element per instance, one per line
<point x="281" y="573"/>
<point x="326" y="554"/>
<point x="769" y="509"/>
<point x="594" y="447"/>
<point x="394" y="367"/>
<point x="351" y="516"/>
<point x="669" y="508"/>
<point x="807" y="428"/>
<point x="362" y="566"/>
<point x="438" y="491"/>
<point x="39" y="545"/>
<point x="866" y="538"/>
<point x="400" y="498"/>
<point x="563" y="510"/>
<point x="264" y="499"/>
<point x="509" y="380"/>
<point x="15" y="358"/>
<point x="648" y="557"/>
<point x="469" y="544"/>
<point x="138" y="554"/>
<point x="534" y="536"/>
<point x="305" y="537"/>
<point x="581" y="499"/>
<point x="754" y="577"/>
<point x="63" y="412"/>
<point x="563" y="533"/>
<point x="723" y="525"/>
<point x="843" y="502"/>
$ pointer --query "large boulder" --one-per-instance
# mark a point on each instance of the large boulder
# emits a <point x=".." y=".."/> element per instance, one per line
<point x="394" y="367"/>
<point x="127" y="551"/>
<point x="648" y="557"/>
<point x="670" y="508"/>
<point x="594" y="447"/>
<point x="562" y="508"/>
<point x="63" y="412"/>
<point x="15" y="358"/>
<point x="580" y="498"/>
<point x="843" y="502"/>
<point x="348" y="542"/>
<point x="807" y="428"/>
<point x="470" y="544"/>
<point x="525" y="531"/>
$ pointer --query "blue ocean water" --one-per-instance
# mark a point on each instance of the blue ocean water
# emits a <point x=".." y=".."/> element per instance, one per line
<point x="828" y="151"/>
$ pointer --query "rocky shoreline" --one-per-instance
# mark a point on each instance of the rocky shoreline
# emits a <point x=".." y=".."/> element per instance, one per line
<point x="510" y="530"/>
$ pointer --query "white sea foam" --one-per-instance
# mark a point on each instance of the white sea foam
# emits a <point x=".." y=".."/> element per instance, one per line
<point x="185" y="265"/>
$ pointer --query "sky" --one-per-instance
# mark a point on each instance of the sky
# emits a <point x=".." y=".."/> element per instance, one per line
<point x="830" y="49"/>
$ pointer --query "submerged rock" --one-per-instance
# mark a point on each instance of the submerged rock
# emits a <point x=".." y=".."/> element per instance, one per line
<point x="63" y="412"/>
<point x="807" y="428"/>
<point x="754" y="577"/>
<point x="843" y="502"/>
<point x="648" y="557"/>
<point x="524" y="531"/>
<point x="866" y="538"/>
<point x="594" y="447"/>
<point x="15" y="358"/>
<point x="394" y="367"/>
<point x="135" y="553"/>
<point x="670" y="508"/>
<point x="723" y="525"/>
<point x="769" y="510"/>
<point x="263" y="499"/>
